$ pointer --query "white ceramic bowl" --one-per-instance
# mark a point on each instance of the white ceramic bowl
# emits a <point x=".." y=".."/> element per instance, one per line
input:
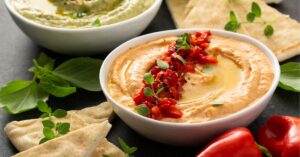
<point x="84" y="41"/>
<point x="183" y="133"/>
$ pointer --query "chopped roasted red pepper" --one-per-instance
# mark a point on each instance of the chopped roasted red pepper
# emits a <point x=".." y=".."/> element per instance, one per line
<point x="281" y="135"/>
<point x="182" y="57"/>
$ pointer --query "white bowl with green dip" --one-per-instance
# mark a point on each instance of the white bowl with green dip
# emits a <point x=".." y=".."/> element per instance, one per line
<point x="82" y="27"/>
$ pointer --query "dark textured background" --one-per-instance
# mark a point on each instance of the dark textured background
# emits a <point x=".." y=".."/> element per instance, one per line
<point x="17" y="52"/>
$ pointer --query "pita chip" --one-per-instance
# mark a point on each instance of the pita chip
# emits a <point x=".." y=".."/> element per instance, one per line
<point x="79" y="143"/>
<point x="27" y="133"/>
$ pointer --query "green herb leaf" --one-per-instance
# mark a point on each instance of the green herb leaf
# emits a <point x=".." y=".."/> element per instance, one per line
<point x="184" y="42"/>
<point x="148" y="78"/>
<point x="159" y="90"/>
<point x="43" y="140"/>
<point x="48" y="132"/>
<point x="217" y="103"/>
<point x="96" y="23"/>
<point x="48" y="124"/>
<point x="250" y="17"/>
<point x="44" y="61"/>
<point x="104" y="155"/>
<point x="290" y="76"/>
<point x="148" y="91"/>
<point x="264" y="150"/>
<point x="256" y="9"/>
<point x="208" y="69"/>
<point x="63" y="128"/>
<point x="43" y="107"/>
<point x="83" y="72"/>
<point x="55" y="89"/>
<point x="142" y="109"/>
<point x="44" y="115"/>
<point x="180" y="58"/>
<point x="162" y="64"/>
<point x="60" y="113"/>
<point x="20" y="96"/>
<point x="233" y="25"/>
<point x="268" y="31"/>
<point x="233" y="17"/>
<point x="127" y="150"/>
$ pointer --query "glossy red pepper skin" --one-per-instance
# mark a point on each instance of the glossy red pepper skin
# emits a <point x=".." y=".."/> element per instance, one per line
<point x="238" y="142"/>
<point x="281" y="136"/>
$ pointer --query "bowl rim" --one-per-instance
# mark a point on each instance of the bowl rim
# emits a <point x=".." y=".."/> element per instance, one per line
<point x="152" y="36"/>
<point x="9" y="6"/>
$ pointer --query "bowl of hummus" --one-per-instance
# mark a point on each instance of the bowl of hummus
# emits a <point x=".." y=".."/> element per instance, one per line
<point x="183" y="87"/>
<point x="80" y="27"/>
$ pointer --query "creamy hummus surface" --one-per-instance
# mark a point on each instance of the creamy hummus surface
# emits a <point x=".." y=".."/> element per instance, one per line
<point x="242" y="75"/>
<point x="80" y="13"/>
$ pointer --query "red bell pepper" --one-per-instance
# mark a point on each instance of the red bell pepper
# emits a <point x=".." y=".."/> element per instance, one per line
<point x="281" y="135"/>
<point x="238" y="142"/>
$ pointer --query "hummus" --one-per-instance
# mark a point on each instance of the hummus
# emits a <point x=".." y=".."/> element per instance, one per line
<point x="80" y="13"/>
<point x="242" y="75"/>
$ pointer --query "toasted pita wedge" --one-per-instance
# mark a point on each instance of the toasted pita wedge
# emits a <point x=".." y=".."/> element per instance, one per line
<point x="209" y="14"/>
<point x="109" y="149"/>
<point x="26" y="134"/>
<point x="79" y="143"/>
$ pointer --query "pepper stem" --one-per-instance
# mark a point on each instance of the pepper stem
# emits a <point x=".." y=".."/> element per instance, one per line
<point x="264" y="150"/>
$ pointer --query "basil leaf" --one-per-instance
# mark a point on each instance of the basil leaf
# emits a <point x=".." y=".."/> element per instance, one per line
<point x="48" y="124"/>
<point x="143" y="110"/>
<point x="44" y="115"/>
<point x="290" y="77"/>
<point x="162" y="64"/>
<point x="45" y="61"/>
<point x="82" y="72"/>
<point x="19" y="96"/>
<point x="148" y="78"/>
<point x="104" y="155"/>
<point x="56" y="90"/>
<point x="232" y="16"/>
<point x="60" y="113"/>
<point x="43" y="107"/>
<point x="232" y="26"/>
<point x="48" y="132"/>
<point x="250" y="17"/>
<point x="256" y="9"/>
<point x="96" y="23"/>
<point x="63" y="128"/>
<point x="43" y="140"/>
<point x="180" y="58"/>
<point x="184" y="42"/>
<point x="268" y="31"/>
<point x="148" y="91"/>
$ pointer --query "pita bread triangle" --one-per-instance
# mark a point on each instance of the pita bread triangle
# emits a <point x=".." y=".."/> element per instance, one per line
<point x="79" y="143"/>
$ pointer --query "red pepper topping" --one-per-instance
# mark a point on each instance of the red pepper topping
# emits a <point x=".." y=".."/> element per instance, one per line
<point x="281" y="135"/>
<point x="163" y="84"/>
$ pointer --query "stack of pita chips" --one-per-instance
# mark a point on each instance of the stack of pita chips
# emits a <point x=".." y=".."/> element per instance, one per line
<point x="86" y="138"/>
<point x="285" y="42"/>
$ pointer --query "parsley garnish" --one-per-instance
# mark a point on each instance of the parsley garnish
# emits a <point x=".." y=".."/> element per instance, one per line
<point x="162" y="64"/>
<point x="127" y="149"/>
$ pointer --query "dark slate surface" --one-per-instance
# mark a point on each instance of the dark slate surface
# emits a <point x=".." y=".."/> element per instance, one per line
<point x="17" y="52"/>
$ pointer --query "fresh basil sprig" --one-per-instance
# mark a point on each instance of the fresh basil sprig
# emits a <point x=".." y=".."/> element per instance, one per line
<point x="52" y="130"/>
<point x="127" y="149"/>
<point x="290" y="76"/>
<point x="20" y="95"/>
